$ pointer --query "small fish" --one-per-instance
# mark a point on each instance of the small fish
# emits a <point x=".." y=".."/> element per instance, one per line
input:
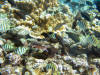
<point x="82" y="25"/>
<point x="86" y="16"/>
<point x="39" y="47"/>
<point x="21" y="50"/>
<point x="77" y="17"/>
<point x="4" y="26"/>
<point x="8" y="47"/>
<point x="51" y="66"/>
<point x="59" y="26"/>
<point x="50" y="36"/>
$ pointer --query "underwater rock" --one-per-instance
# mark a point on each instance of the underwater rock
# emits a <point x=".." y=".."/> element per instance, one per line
<point x="54" y="38"/>
<point x="49" y="53"/>
<point x="8" y="69"/>
<point x="96" y="61"/>
<point x="33" y="12"/>
<point x="2" y="60"/>
<point x="93" y="70"/>
<point x="12" y="2"/>
<point x="8" y="47"/>
<point x="34" y="65"/>
<point x="97" y="2"/>
<point x="1" y="52"/>
<point x="96" y="50"/>
<point x="13" y="59"/>
<point x="88" y="15"/>
<point x="77" y="61"/>
<point x="1" y="42"/>
<point x="98" y="16"/>
<point x="21" y="30"/>
<point x="14" y="38"/>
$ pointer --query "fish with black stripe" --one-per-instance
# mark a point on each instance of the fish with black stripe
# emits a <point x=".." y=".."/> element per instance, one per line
<point x="51" y="66"/>
<point x="21" y="50"/>
<point x="4" y="23"/>
<point x="8" y="47"/>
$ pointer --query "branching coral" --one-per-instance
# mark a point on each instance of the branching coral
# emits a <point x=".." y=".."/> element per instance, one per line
<point x="44" y="15"/>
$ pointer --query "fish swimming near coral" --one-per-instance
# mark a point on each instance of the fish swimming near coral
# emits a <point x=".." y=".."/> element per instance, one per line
<point x="86" y="16"/>
<point x="50" y="36"/>
<point x="59" y="26"/>
<point x="51" y="66"/>
<point x="8" y="47"/>
<point x="82" y="25"/>
<point x="21" y="50"/>
<point x="77" y="17"/>
<point x="4" y="23"/>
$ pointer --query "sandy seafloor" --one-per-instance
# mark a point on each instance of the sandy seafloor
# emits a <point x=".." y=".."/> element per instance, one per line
<point x="49" y="37"/>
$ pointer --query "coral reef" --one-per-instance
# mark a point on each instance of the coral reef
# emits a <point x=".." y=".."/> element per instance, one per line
<point x="13" y="59"/>
<point x="49" y="37"/>
<point x="41" y="16"/>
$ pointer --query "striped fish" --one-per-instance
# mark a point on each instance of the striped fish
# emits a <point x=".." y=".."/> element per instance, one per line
<point x="88" y="40"/>
<point x="8" y="47"/>
<point x="21" y="50"/>
<point x="84" y="40"/>
<point x="51" y="66"/>
<point x="4" y="23"/>
<point x="82" y="25"/>
<point x="59" y="26"/>
<point x="95" y="41"/>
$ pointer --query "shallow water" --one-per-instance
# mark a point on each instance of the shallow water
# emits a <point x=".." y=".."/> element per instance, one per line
<point x="50" y="37"/>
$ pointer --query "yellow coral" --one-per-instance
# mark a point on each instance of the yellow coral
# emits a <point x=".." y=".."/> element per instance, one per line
<point x="34" y="9"/>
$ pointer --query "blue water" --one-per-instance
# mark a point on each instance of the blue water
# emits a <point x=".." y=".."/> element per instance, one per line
<point x="81" y="5"/>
